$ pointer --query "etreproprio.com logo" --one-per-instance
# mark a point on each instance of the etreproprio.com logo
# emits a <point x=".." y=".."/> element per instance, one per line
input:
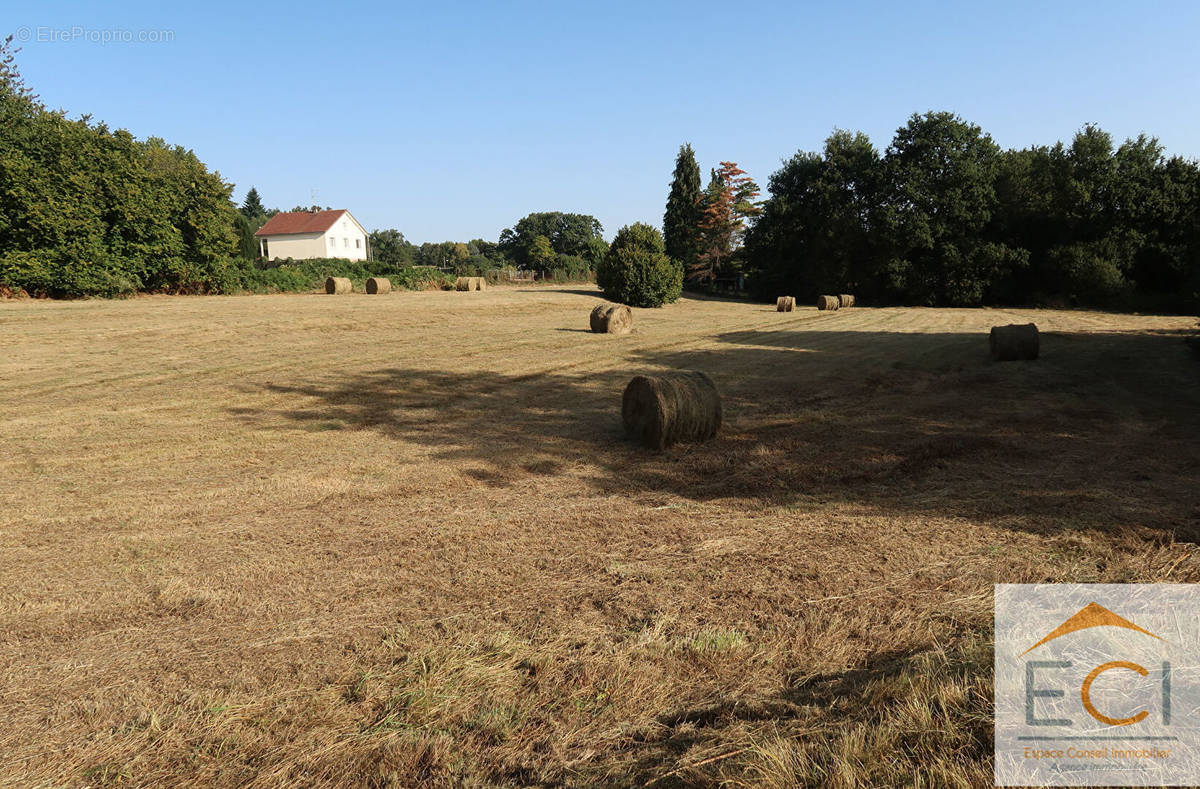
<point x="1097" y="685"/>
<point x="46" y="34"/>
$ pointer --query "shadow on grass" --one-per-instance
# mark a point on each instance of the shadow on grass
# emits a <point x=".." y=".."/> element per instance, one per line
<point x="549" y="287"/>
<point x="1099" y="433"/>
<point x="933" y="707"/>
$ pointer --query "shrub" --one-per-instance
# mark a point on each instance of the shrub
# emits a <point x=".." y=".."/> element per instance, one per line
<point x="411" y="278"/>
<point x="298" y="276"/>
<point x="636" y="270"/>
<point x="47" y="273"/>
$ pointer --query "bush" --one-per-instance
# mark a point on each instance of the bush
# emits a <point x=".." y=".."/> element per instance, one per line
<point x="298" y="276"/>
<point x="636" y="270"/>
<point x="46" y="273"/>
<point x="413" y="278"/>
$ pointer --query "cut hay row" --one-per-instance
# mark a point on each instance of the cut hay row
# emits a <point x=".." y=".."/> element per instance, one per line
<point x="659" y="410"/>
<point x="611" y="319"/>
<point x="1015" y="342"/>
<point x="785" y="303"/>
<point x="828" y="302"/>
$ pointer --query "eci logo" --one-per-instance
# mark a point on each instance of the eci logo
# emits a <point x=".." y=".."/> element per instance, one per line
<point x="1097" y="685"/>
<point x="1093" y="615"/>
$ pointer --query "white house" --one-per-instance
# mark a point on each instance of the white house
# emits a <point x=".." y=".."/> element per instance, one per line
<point x="307" y="234"/>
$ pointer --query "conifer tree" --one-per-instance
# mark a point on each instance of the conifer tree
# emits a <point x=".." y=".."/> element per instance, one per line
<point x="681" y="222"/>
<point x="253" y="208"/>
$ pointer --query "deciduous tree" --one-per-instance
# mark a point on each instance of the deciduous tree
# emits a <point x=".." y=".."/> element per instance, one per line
<point x="729" y="200"/>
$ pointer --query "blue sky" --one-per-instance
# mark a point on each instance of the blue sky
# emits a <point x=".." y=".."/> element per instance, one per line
<point x="452" y="120"/>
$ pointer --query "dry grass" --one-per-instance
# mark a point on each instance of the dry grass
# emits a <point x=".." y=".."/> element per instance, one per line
<point x="238" y="549"/>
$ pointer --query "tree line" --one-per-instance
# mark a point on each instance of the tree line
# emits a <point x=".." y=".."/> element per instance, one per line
<point x="942" y="217"/>
<point x="564" y="245"/>
<point x="86" y="210"/>
<point x="945" y="217"/>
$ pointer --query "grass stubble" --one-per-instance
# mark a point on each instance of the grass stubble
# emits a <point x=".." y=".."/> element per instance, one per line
<point x="395" y="541"/>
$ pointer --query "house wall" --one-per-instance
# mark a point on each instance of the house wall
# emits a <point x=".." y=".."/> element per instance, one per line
<point x="300" y="246"/>
<point x="340" y="240"/>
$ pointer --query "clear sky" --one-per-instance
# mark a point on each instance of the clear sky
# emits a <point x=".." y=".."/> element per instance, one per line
<point x="450" y="120"/>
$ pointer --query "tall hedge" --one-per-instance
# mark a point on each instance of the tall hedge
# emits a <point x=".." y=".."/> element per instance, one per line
<point x="636" y="270"/>
<point x="88" y="210"/>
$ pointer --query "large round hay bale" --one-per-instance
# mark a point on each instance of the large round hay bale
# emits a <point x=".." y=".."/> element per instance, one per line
<point x="659" y="410"/>
<point x="480" y="283"/>
<point x="785" y="303"/>
<point x="464" y="283"/>
<point x="379" y="285"/>
<point x="1015" y="342"/>
<point x="845" y="300"/>
<point x="611" y="319"/>
<point x="338" y="285"/>
<point x="827" y="302"/>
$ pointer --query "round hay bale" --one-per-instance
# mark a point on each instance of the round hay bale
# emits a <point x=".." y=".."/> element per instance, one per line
<point x="338" y="285"/>
<point x="827" y="302"/>
<point x="379" y="285"/>
<point x="785" y="303"/>
<point x="611" y="319"/>
<point x="480" y="283"/>
<point x="659" y="410"/>
<point x="1015" y="342"/>
<point x="845" y="300"/>
<point x="464" y="283"/>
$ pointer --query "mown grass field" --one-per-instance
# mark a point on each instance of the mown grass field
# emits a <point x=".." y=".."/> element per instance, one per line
<point x="400" y="540"/>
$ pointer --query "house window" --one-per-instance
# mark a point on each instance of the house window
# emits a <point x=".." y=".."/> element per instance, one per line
<point x="345" y="242"/>
<point x="265" y="255"/>
<point x="358" y="243"/>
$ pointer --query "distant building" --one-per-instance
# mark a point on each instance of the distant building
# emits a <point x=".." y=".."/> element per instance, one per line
<point x="305" y="234"/>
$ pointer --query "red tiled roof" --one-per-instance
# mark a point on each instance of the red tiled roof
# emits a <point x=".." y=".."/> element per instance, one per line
<point x="283" y="224"/>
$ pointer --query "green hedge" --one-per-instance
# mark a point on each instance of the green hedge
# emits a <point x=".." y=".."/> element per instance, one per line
<point x="299" y="276"/>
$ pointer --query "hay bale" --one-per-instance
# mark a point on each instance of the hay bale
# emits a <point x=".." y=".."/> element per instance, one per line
<point x="379" y="285"/>
<point x="464" y="283"/>
<point x="785" y="303"/>
<point x="845" y="300"/>
<point x="1014" y="342"/>
<point x="659" y="410"/>
<point x="611" y="319"/>
<point x="827" y="302"/>
<point x="480" y="283"/>
<point x="337" y="285"/>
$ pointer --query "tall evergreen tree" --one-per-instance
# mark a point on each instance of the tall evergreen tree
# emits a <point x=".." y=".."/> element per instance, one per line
<point x="681" y="222"/>
<point x="253" y="208"/>
<point x="247" y="244"/>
